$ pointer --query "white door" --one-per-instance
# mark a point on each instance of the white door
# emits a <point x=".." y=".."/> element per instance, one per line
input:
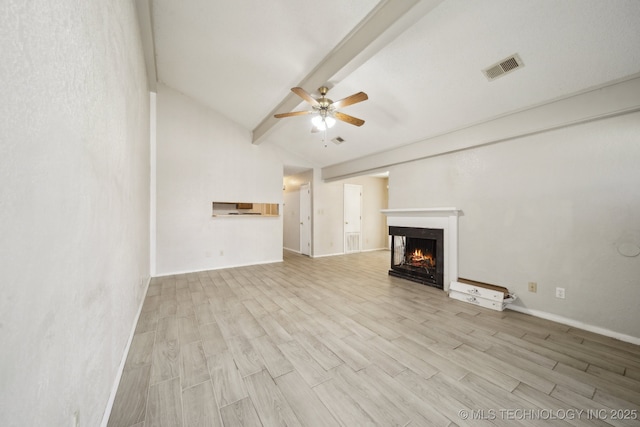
<point x="352" y="218"/>
<point x="305" y="219"/>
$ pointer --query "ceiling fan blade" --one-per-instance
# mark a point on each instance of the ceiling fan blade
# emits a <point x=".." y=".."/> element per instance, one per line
<point x="349" y="119"/>
<point x="291" y="114"/>
<point x="350" y="100"/>
<point x="305" y="95"/>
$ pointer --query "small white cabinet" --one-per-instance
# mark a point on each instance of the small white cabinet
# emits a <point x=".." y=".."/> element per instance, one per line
<point x="494" y="298"/>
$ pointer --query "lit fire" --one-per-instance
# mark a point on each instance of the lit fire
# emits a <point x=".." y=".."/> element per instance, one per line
<point x="420" y="259"/>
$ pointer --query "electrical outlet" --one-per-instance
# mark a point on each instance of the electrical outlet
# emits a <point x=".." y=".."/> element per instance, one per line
<point x="533" y="287"/>
<point x="560" y="293"/>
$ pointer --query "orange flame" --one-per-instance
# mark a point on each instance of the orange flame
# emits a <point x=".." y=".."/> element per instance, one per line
<point x="418" y="257"/>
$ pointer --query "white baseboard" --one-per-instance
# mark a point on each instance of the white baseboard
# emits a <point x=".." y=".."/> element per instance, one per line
<point x="576" y="324"/>
<point x="342" y="253"/>
<point x="326" y="255"/>
<point x="222" y="267"/>
<point x="337" y="253"/>
<point x="116" y="383"/>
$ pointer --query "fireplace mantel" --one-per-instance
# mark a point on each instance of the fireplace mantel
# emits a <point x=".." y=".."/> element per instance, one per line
<point x="445" y="218"/>
<point x="421" y="212"/>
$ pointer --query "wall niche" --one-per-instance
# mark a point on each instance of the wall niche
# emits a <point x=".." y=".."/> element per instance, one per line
<point x="245" y="209"/>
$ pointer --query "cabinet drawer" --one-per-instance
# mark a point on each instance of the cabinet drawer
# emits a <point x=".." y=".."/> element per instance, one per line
<point x="477" y="300"/>
<point x="477" y="291"/>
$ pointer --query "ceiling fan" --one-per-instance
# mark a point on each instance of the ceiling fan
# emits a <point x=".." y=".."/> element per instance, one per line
<point x="325" y="110"/>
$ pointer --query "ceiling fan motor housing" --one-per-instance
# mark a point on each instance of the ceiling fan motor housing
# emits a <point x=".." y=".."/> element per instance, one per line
<point x="324" y="104"/>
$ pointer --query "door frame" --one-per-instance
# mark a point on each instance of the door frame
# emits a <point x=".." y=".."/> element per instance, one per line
<point x="305" y="223"/>
<point x="350" y="235"/>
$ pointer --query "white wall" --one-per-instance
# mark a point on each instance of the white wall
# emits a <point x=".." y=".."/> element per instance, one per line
<point x="203" y="157"/>
<point x="328" y="211"/>
<point x="549" y="208"/>
<point x="74" y="205"/>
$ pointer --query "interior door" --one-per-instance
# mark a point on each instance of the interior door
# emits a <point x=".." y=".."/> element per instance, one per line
<point x="305" y="219"/>
<point x="352" y="218"/>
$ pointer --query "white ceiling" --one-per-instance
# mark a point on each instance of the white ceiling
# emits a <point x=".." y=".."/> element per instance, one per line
<point x="421" y="69"/>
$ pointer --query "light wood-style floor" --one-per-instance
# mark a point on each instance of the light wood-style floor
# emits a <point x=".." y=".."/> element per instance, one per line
<point x="336" y="341"/>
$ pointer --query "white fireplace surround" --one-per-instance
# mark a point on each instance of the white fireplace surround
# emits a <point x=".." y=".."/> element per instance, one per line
<point x="438" y="218"/>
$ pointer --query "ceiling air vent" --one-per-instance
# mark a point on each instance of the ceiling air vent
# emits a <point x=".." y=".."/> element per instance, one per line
<point x="337" y="140"/>
<point x="503" y="67"/>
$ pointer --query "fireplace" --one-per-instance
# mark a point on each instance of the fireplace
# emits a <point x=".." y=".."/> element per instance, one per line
<point x="445" y="220"/>
<point x="417" y="254"/>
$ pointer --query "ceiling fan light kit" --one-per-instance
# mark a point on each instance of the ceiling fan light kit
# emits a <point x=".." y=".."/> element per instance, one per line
<point x="325" y="110"/>
<point x="323" y="122"/>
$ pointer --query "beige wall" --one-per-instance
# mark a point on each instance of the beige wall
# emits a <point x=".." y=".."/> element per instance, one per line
<point x="328" y="211"/>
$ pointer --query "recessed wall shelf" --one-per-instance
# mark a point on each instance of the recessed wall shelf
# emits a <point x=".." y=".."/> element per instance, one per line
<point x="250" y="209"/>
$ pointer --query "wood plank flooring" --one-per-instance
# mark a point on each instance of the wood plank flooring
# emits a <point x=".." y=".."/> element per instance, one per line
<point x="337" y="342"/>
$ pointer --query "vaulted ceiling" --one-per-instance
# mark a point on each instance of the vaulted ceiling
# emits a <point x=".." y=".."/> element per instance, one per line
<point x="419" y="61"/>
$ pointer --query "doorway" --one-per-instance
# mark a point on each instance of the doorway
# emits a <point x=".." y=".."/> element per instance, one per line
<point x="352" y="218"/>
<point x="305" y="219"/>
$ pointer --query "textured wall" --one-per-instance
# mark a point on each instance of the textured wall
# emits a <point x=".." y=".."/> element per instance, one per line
<point x="74" y="205"/>
<point x="203" y="157"/>
<point x="552" y="208"/>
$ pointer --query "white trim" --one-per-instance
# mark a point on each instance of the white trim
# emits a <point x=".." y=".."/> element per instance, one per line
<point x="222" y="267"/>
<point x="576" y="324"/>
<point x="305" y="206"/>
<point x="342" y="253"/>
<point x="116" y="384"/>
<point x="152" y="182"/>
<point x="290" y="250"/>
<point x="346" y="242"/>
<point x="326" y="255"/>
<point x="421" y="212"/>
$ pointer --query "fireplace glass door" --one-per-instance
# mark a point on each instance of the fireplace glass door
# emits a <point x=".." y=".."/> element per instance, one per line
<point x="417" y="254"/>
